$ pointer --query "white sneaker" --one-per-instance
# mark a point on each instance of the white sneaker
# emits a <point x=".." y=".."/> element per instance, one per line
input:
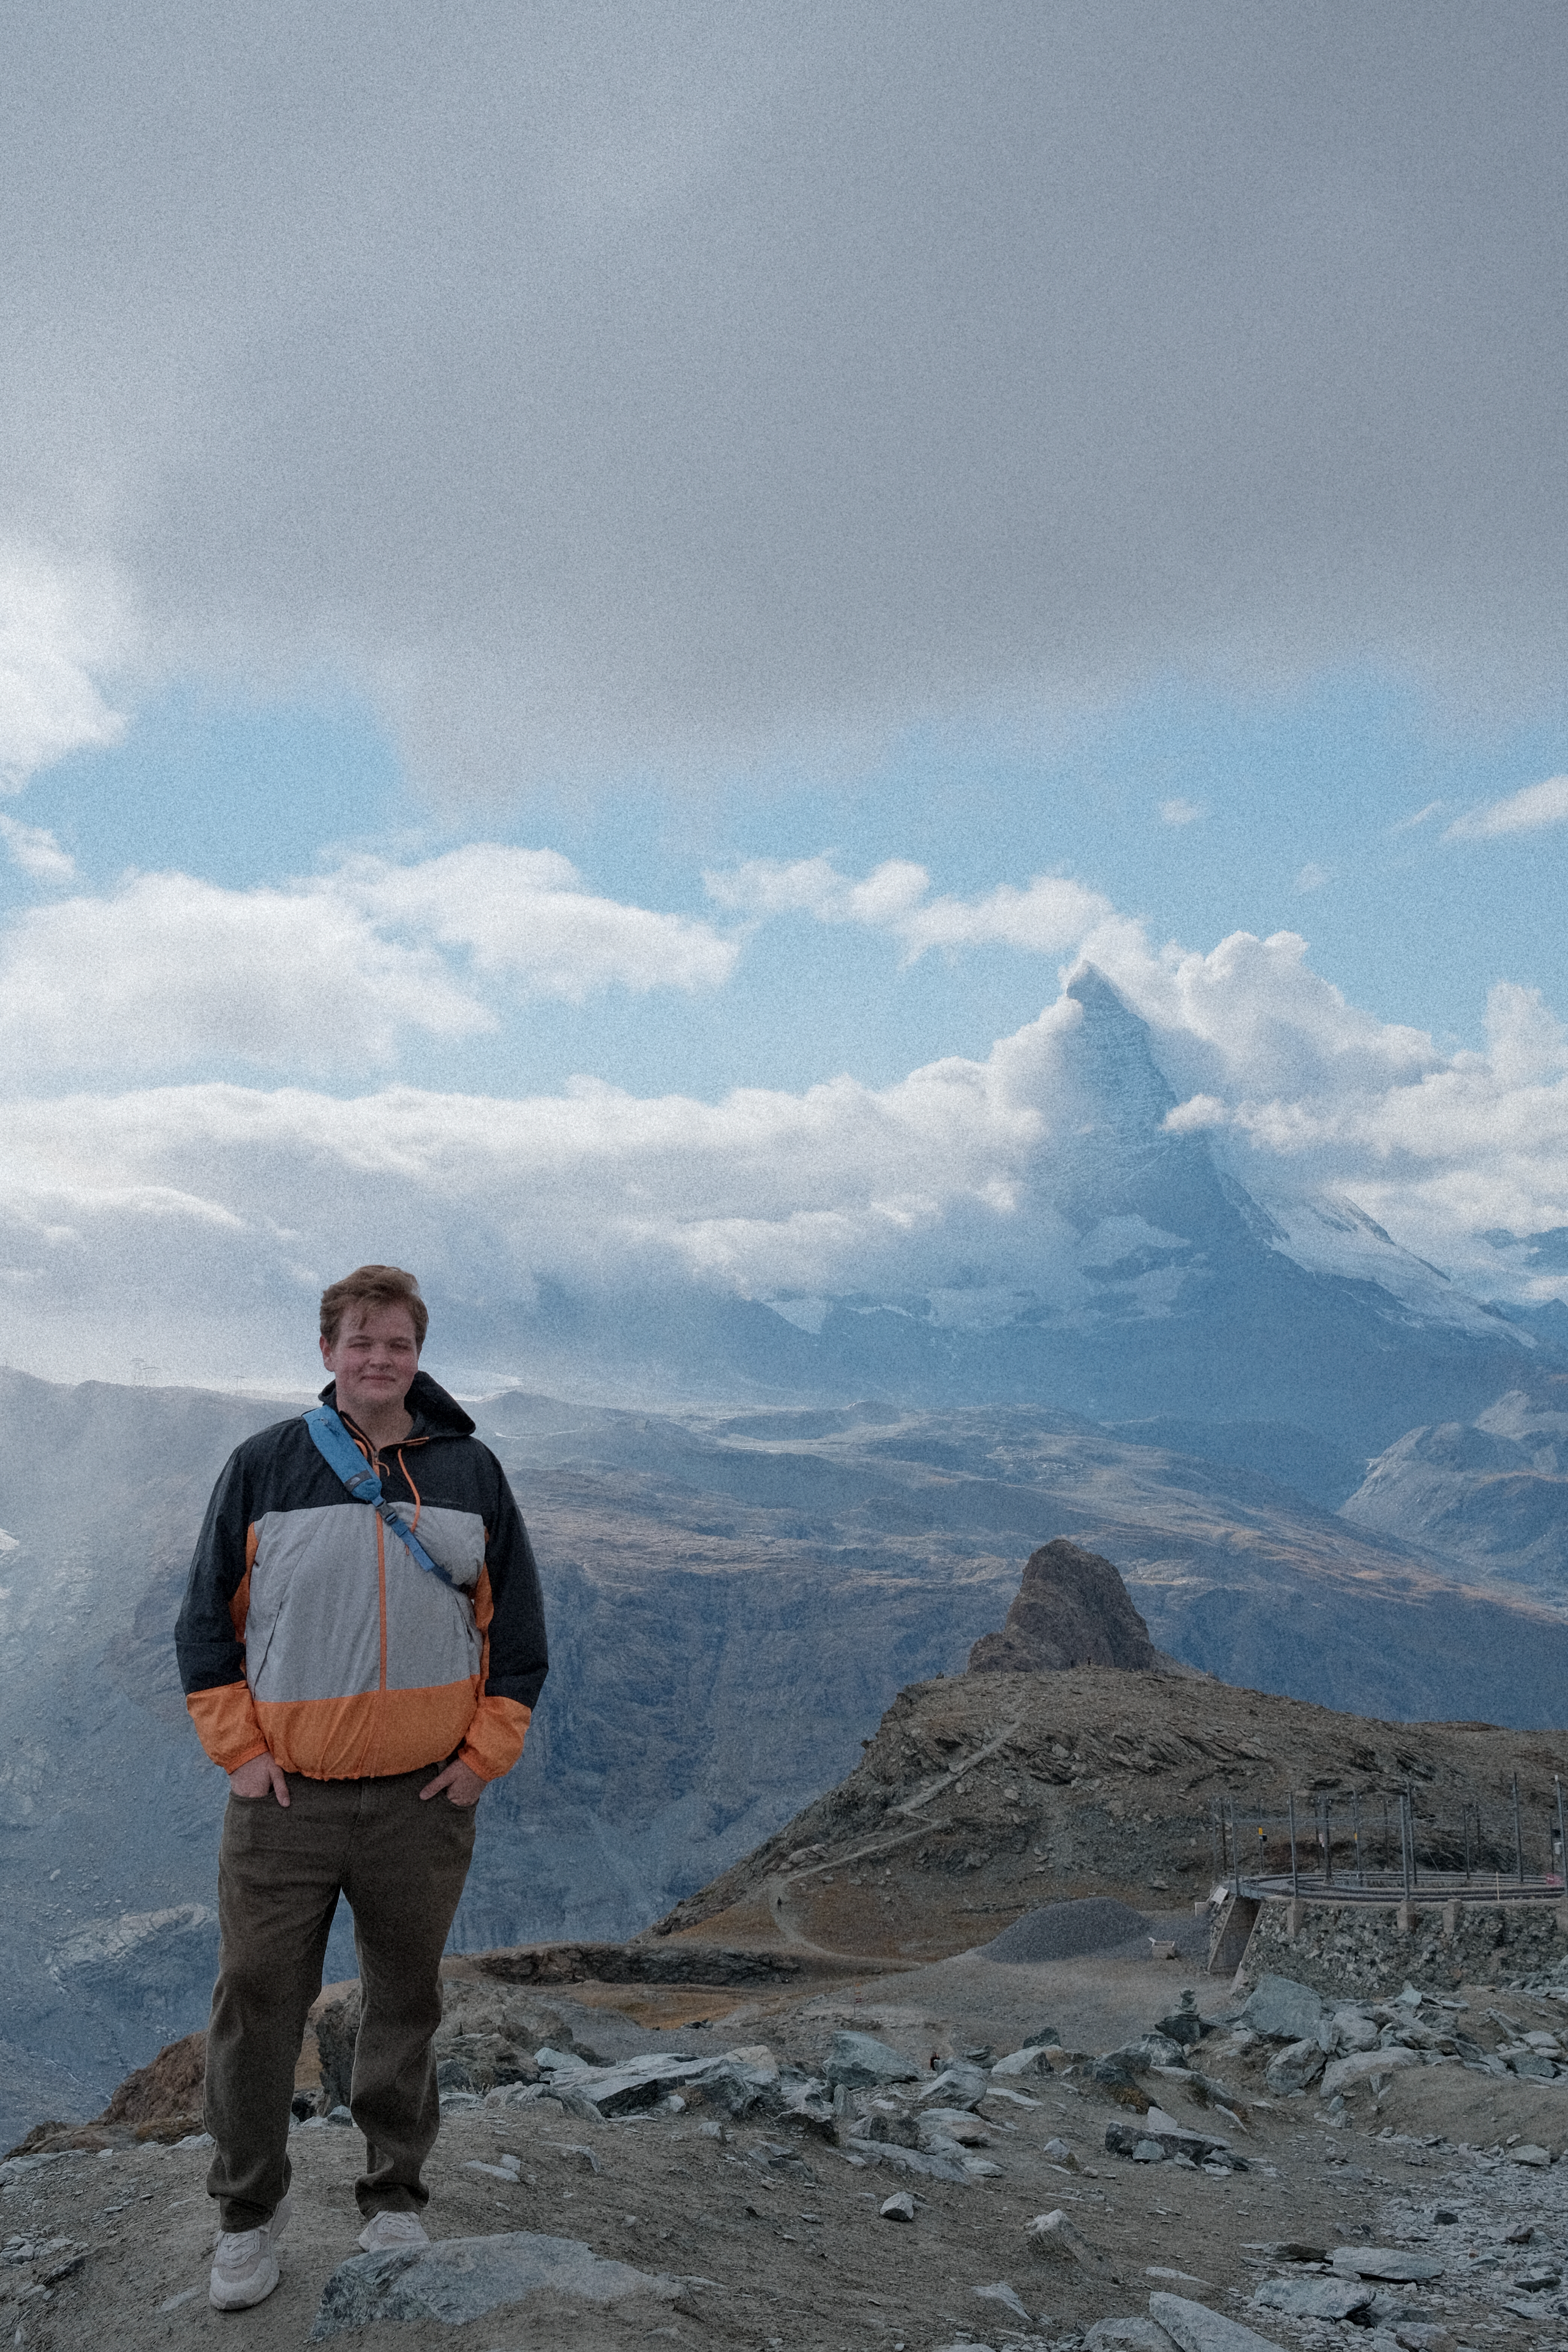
<point x="385" y="2232"/>
<point x="244" y="2265"/>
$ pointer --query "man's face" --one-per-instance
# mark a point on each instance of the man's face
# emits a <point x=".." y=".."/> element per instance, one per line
<point x="373" y="1358"/>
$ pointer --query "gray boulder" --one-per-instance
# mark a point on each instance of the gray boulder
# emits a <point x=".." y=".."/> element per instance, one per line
<point x="960" y="2085"/>
<point x="935" y="2165"/>
<point x="1283" y="2010"/>
<point x="1344" y="2073"/>
<point x="861" y="2062"/>
<point x="459" y="2279"/>
<point x="1171" y="2138"/>
<point x="1298" y="2063"/>
<point x="1032" y="2059"/>
<point x="1131" y="2335"/>
<point x="1195" y="2328"/>
<point x="1313" y="2298"/>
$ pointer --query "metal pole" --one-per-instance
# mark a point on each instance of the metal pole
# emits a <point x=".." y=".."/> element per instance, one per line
<point x="1355" y="1833"/>
<point x="1406" y="1838"/>
<point x="1234" y="1854"/>
<point x="1518" y="1838"/>
<point x="1328" y="1845"/>
<point x="1466" y="1841"/>
<point x="1294" y="1874"/>
<point x="1386" y="1856"/>
<point x="1410" y="1809"/>
<point x="1562" y="1841"/>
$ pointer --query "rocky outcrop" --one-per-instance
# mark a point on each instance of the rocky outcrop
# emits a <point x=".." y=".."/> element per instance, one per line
<point x="170" y="2088"/>
<point x="1072" y="1610"/>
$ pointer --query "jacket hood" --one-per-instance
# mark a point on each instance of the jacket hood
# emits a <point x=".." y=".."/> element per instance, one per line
<point x="428" y="1402"/>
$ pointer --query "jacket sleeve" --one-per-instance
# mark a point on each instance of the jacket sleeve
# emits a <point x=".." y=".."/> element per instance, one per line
<point x="209" y="1634"/>
<point x="510" y="1609"/>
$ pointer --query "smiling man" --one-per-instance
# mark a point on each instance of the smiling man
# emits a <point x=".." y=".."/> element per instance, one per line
<point x="360" y="1658"/>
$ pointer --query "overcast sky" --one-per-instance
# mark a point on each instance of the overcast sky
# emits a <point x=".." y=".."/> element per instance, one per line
<point x="685" y="548"/>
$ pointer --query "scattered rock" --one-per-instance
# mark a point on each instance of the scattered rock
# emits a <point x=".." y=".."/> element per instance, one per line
<point x="861" y="2062"/>
<point x="1389" y="2262"/>
<point x="1131" y="2335"/>
<point x="1054" y="2239"/>
<point x="932" y="2167"/>
<point x="1298" y="2063"/>
<point x="1195" y="2328"/>
<point x="1529" y="2153"/>
<point x="958" y="2124"/>
<point x="1032" y="2059"/>
<point x="897" y="2130"/>
<point x="1344" y="2073"/>
<point x="459" y="2279"/>
<point x="1313" y="2298"/>
<point x="1283" y="2010"/>
<point x="964" y="2086"/>
<point x="1003" y="2294"/>
<point x="899" y="2207"/>
<point x="1169" y="2138"/>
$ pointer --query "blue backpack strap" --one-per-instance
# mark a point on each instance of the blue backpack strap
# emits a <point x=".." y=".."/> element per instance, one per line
<point x="343" y="1458"/>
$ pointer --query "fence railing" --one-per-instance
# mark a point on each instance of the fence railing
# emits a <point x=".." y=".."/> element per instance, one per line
<point x="1378" y="1844"/>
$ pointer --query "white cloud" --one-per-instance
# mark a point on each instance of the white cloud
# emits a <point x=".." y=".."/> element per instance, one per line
<point x="1409" y="823"/>
<point x="1181" y="812"/>
<point x="525" y="913"/>
<point x="1526" y="811"/>
<point x="188" y="1190"/>
<point x="1049" y="915"/>
<point x="1312" y="876"/>
<point x="61" y="629"/>
<point x="34" y="849"/>
<point x="167" y="971"/>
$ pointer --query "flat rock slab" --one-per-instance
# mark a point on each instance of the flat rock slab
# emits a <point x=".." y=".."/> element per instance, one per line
<point x="1162" y="2133"/>
<point x="1389" y="2263"/>
<point x="1193" y="2327"/>
<point x="1282" y="2009"/>
<point x="1313" y="2298"/>
<point x="458" y="2279"/>
<point x="861" y="2062"/>
<point x="935" y="2167"/>
<point x="1133" y="2335"/>
<point x="1346" y="2072"/>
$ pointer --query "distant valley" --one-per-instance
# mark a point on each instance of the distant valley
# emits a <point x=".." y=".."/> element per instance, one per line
<point x="736" y="1599"/>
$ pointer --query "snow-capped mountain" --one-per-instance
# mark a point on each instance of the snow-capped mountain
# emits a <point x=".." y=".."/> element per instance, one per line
<point x="1130" y="1274"/>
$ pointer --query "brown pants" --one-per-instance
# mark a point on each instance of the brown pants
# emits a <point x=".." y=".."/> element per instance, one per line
<point x="401" y="1864"/>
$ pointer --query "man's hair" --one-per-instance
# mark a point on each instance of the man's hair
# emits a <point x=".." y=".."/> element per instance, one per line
<point x="372" y="1286"/>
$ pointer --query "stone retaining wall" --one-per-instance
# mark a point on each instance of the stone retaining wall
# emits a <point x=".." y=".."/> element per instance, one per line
<point x="1363" y="1951"/>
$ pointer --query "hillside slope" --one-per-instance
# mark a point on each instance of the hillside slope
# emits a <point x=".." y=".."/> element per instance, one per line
<point x="985" y="1795"/>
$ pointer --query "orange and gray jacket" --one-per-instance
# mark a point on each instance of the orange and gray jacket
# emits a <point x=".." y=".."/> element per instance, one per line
<point x="308" y="1632"/>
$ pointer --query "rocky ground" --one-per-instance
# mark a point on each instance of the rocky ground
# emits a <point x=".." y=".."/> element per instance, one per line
<point x="746" y="2206"/>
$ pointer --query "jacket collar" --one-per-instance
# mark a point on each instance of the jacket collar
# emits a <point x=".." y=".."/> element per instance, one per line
<point x="436" y="1414"/>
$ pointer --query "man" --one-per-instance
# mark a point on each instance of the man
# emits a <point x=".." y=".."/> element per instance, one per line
<point x="328" y="1668"/>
